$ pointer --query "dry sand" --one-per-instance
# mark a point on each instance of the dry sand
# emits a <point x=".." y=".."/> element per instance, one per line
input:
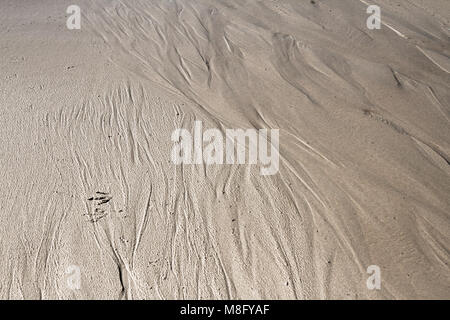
<point x="364" y="179"/>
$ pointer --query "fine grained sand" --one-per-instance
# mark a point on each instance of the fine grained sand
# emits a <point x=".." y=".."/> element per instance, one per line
<point x="364" y="173"/>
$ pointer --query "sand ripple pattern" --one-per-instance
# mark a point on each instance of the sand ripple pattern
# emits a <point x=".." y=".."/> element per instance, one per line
<point x="364" y="119"/>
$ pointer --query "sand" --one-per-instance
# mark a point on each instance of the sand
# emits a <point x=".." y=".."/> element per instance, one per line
<point x="88" y="188"/>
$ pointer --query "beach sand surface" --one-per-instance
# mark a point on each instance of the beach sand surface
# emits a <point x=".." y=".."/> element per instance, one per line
<point x="86" y="177"/>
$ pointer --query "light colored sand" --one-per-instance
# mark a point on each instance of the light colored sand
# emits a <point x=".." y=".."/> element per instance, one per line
<point x="364" y="141"/>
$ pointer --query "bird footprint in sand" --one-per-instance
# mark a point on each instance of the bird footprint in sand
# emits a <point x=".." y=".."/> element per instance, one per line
<point x="100" y="200"/>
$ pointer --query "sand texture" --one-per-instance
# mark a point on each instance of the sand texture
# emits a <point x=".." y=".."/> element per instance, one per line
<point x="86" y="177"/>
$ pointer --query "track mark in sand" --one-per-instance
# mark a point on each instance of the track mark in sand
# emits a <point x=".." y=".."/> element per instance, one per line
<point x="435" y="155"/>
<point x="100" y="211"/>
<point x="378" y="117"/>
<point x="441" y="61"/>
<point x="432" y="151"/>
<point x="397" y="79"/>
<point x="437" y="103"/>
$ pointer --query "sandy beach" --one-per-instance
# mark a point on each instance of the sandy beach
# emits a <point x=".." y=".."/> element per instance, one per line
<point x="117" y="180"/>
